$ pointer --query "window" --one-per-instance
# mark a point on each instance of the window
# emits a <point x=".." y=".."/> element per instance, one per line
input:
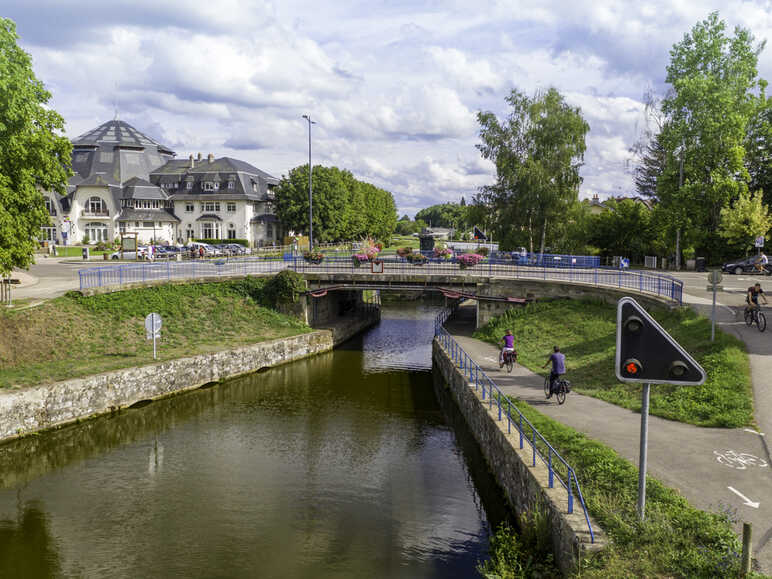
<point x="269" y="207"/>
<point x="231" y="185"/>
<point x="122" y="227"/>
<point x="81" y="157"/>
<point x="105" y="157"/>
<point x="269" y="231"/>
<point x="211" y="206"/>
<point x="189" y="232"/>
<point x="231" y="207"/>
<point x="231" y="231"/>
<point x="136" y="224"/>
<point x="189" y="208"/>
<point x="216" y="185"/>
<point x="50" y="206"/>
<point x="148" y="224"/>
<point x="48" y="234"/>
<point x="96" y="206"/>
<point x="208" y="186"/>
<point x="155" y="204"/>
<point x="254" y="186"/>
<point x="210" y="230"/>
<point x="189" y="185"/>
<point x="96" y="231"/>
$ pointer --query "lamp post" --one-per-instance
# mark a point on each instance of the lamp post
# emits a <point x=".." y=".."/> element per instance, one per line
<point x="310" y="194"/>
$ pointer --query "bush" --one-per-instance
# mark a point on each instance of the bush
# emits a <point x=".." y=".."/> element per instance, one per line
<point x="403" y="251"/>
<point x="482" y="251"/>
<point x="86" y="240"/>
<point x="284" y="288"/>
<point x="243" y="242"/>
<point x="469" y="260"/>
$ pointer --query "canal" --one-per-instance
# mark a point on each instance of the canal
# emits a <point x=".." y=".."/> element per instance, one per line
<point x="341" y="465"/>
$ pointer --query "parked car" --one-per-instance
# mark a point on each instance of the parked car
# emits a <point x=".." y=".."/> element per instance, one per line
<point x="142" y="251"/>
<point x="209" y="250"/>
<point x="746" y="265"/>
<point x="236" y="248"/>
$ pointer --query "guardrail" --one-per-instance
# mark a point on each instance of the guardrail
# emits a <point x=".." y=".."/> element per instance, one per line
<point x="643" y="281"/>
<point x="557" y="467"/>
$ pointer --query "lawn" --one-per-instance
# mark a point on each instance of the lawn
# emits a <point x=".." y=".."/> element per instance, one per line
<point x="586" y="333"/>
<point x="75" y="336"/>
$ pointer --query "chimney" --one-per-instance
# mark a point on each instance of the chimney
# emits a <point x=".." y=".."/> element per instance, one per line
<point x="199" y="157"/>
<point x="210" y="158"/>
<point x="192" y="162"/>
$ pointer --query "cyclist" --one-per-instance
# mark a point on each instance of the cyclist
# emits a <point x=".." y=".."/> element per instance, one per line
<point x="761" y="263"/>
<point x="509" y="346"/>
<point x="752" y="296"/>
<point x="558" y="360"/>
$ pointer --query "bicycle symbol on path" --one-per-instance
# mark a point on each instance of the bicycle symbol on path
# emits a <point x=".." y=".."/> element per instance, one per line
<point x="739" y="460"/>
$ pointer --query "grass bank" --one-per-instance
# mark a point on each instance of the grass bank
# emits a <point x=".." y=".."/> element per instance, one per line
<point x="586" y="333"/>
<point x="75" y="336"/>
<point x="675" y="540"/>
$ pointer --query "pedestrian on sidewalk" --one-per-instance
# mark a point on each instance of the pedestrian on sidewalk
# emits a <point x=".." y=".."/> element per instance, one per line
<point x="558" y="360"/>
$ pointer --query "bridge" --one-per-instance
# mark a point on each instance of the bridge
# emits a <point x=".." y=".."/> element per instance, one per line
<point x="495" y="284"/>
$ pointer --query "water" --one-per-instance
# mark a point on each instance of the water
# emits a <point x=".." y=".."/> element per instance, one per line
<point x="342" y="465"/>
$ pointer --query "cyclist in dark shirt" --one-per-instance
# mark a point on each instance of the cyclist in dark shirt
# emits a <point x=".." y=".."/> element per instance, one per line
<point x="752" y="296"/>
<point x="558" y="360"/>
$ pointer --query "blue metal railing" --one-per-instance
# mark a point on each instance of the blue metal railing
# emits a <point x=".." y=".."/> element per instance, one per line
<point x="643" y="281"/>
<point x="557" y="466"/>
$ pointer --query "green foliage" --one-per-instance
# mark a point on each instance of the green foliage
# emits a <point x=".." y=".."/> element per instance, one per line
<point x="34" y="156"/>
<point x="707" y="111"/>
<point x="758" y="145"/>
<point x="516" y="555"/>
<point x="449" y="215"/>
<point x="745" y="220"/>
<point x="538" y="150"/>
<point x="284" y="288"/>
<point x="343" y="207"/>
<point x="243" y="242"/>
<point x="409" y="227"/>
<point x="586" y="333"/>
<point x="675" y="540"/>
<point x="626" y="229"/>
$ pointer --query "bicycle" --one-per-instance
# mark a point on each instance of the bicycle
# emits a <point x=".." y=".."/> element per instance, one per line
<point x="563" y="388"/>
<point x="509" y="360"/>
<point x="755" y="315"/>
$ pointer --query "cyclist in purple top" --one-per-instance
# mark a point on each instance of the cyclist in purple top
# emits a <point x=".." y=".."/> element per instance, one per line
<point x="558" y="360"/>
<point x="509" y="346"/>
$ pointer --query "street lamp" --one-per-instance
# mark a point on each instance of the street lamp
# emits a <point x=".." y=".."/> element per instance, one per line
<point x="310" y="194"/>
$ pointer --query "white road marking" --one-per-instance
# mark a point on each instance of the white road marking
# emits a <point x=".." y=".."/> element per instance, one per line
<point x="489" y="359"/>
<point x="748" y="502"/>
<point x="753" y="431"/>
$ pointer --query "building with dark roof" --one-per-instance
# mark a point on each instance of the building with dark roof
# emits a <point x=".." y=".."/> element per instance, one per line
<point x="126" y="182"/>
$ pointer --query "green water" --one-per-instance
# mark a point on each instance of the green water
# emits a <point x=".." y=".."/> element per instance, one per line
<point x="343" y="465"/>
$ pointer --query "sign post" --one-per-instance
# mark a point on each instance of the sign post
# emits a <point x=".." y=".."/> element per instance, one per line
<point x="759" y="243"/>
<point x="153" y="330"/>
<point x="647" y="354"/>
<point x="714" y="278"/>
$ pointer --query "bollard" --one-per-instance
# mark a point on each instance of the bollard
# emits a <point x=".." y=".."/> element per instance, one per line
<point x="745" y="565"/>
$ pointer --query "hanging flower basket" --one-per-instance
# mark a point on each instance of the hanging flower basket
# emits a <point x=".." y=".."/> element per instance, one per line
<point x="314" y="257"/>
<point x="404" y="251"/>
<point x="359" y="258"/>
<point x="469" y="260"/>
<point x="443" y="253"/>
<point x="416" y="258"/>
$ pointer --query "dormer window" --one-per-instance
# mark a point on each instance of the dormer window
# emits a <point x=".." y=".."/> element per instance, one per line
<point x="216" y="185"/>
<point x="231" y="185"/>
<point x="189" y="185"/>
<point x="254" y="186"/>
<point x="208" y="186"/>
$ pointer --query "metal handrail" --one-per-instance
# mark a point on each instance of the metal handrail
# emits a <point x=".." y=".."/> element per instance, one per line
<point x="489" y="391"/>
<point x="643" y="281"/>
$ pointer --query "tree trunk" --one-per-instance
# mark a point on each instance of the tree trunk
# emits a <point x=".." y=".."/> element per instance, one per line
<point x="530" y="233"/>
<point x="543" y="233"/>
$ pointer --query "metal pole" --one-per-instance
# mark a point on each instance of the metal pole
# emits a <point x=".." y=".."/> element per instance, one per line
<point x="152" y="325"/>
<point x="310" y="189"/>
<point x="642" y="453"/>
<point x="678" y="231"/>
<point x="713" y="317"/>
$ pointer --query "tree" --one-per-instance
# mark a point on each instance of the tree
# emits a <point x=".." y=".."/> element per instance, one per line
<point x="746" y="219"/>
<point x="625" y="229"/>
<point x="758" y="145"/>
<point x="343" y="207"/>
<point x="449" y="215"/>
<point x="34" y="156"/>
<point x="538" y="150"/>
<point x="708" y="108"/>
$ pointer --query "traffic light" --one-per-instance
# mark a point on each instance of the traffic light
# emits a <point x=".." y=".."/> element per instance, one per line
<point x="647" y="353"/>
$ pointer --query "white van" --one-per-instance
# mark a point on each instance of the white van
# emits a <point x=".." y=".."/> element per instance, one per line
<point x="209" y="251"/>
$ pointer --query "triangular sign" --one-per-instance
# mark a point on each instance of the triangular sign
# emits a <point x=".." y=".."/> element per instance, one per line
<point x="479" y="234"/>
<point x="647" y="353"/>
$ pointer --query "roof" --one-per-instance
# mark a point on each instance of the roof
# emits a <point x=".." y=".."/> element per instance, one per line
<point x="128" y="214"/>
<point x="209" y="217"/>
<point x="136" y="188"/>
<point x="118" y="151"/>
<point x="265" y="218"/>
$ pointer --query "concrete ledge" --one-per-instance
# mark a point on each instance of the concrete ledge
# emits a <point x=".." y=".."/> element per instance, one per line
<point x="48" y="406"/>
<point x="525" y="487"/>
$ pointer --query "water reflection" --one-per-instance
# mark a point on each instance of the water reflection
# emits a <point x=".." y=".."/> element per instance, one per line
<point x="27" y="548"/>
<point x="342" y="465"/>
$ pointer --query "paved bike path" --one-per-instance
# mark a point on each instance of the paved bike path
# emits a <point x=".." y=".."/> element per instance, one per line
<point x="680" y="455"/>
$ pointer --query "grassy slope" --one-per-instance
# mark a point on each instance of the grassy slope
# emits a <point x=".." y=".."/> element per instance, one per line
<point x="586" y="333"/>
<point x="76" y="336"/>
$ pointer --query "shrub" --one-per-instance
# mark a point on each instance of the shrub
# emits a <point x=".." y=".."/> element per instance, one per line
<point x="284" y="288"/>
<point x="482" y="251"/>
<point x="469" y="260"/>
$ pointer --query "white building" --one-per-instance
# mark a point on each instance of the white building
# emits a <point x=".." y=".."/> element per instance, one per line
<point x="125" y="182"/>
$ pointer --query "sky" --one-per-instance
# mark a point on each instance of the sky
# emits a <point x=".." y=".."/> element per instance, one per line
<point x="393" y="86"/>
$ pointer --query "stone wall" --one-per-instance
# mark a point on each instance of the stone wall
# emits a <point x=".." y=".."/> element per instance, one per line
<point x="525" y="486"/>
<point x="47" y="406"/>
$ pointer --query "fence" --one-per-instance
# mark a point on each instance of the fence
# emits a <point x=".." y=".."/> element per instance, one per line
<point x="643" y="281"/>
<point x="557" y="466"/>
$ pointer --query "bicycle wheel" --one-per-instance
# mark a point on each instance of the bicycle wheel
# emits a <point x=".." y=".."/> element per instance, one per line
<point x="509" y="358"/>
<point x="546" y="385"/>
<point x="761" y="321"/>
<point x="748" y="318"/>
<point x="561" y="393"/>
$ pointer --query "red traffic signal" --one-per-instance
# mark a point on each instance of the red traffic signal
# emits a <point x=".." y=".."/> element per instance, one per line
<point x="632" y="368"/>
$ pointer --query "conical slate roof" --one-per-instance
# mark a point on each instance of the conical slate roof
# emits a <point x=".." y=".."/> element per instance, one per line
<point x="117" y="152"/>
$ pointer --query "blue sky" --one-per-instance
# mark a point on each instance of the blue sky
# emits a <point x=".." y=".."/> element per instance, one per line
<point x="394" y="86"/>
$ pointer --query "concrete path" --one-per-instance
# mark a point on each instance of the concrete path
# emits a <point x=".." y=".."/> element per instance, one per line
<point x="682" y="456"/>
